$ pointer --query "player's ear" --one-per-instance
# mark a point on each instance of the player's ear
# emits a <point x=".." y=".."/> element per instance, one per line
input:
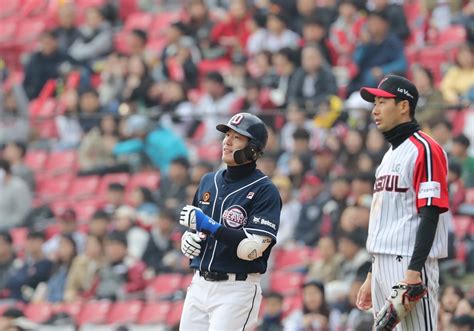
<point x="404" y="107"/>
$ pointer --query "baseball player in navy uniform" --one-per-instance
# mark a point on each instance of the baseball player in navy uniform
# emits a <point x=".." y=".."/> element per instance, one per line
<point x="408" y="226"/>
<point x="233" y="224"/>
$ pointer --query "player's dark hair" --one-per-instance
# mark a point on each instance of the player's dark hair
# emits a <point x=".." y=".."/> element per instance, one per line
<point x="412" y="110"/>
<point x="141" y="34"/>
<point x="274" y="295"/>
<point x="117" y="187"/>
<point x="6" y="237"/>
<point x="5" y="165"/>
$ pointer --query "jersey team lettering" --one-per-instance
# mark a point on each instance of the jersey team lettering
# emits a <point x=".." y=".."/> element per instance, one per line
<point x="429" y="190"/>
<point x="235" y="217"/>
<point x="388" y="183"/>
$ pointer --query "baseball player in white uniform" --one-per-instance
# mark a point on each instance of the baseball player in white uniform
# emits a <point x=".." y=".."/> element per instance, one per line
<point x="408" y="227"/>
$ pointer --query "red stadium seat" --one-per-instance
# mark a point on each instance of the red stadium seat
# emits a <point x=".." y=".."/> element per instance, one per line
<point x="83" y="4"/>
<point x="433" y="58"/>
<point x="161" y="22"/>
<point x="175" y="313"/>
<point x="186" y="281"/>
<point x="291" y="303"/>
<point x="8" y="8"/>
<point x="127" y="7"/>
<point x="61" y="161"/>
<point x="165" y="284"/>
<point x="470" y="196"/>
<point x="462" y="225"/>
<point x="29" y="30"/>
<point x="286" y="282"/>
<point x="54" y="187"/>
<point x="36" y="159"/>
<point x="206" y="66"/>
<point x="292" y="258"/>
<point x="154" y="313"/>
<point x="71" y="308"/>
<point x="45" y="129"/>
<point x="34" y="7"/>
<point x="38" y="312"/>
<point x="84" y="186"/>
<point x="149" y="179"/>
<point x="8" y="28"/>
<point x="86" y="208"/>
<point x="139" y="20"/>
<point x="156" y="46"/>
<point x="94" y="312"/>
<point x="451" y="36"/>
<point x="121" y="178"/>
<point x="124" y="312"/>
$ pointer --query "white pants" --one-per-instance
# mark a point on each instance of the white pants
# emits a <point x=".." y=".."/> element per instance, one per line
<point x="387" y="270"/>
<point x="221" y="306"/>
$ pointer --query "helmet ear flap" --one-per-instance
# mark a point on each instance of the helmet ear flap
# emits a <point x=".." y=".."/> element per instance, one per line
<point x="251" y="152"/>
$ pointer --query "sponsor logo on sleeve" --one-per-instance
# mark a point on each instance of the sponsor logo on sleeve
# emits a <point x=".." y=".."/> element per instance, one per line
<point x="429" y="190"/>
<point x="262" y="221"/>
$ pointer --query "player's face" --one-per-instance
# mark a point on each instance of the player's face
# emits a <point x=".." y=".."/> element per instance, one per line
<point x="233" y="141"/>
<point x="386" y="113"/>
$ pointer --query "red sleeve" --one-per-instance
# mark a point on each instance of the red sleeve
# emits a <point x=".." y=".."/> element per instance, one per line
<point x="431" y="173"/>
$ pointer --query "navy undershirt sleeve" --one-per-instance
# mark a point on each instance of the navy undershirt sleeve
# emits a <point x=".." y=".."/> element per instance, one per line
<point x="230" y="237"/>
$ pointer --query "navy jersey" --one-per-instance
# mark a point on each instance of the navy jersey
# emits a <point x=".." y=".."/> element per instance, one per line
<point x="252" y="203"/>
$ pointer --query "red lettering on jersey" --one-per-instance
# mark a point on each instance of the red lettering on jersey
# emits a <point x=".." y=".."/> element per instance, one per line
<point x="388" y="183"/>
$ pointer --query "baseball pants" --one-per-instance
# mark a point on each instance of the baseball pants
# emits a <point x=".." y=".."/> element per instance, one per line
<point x="221" y="306"/>
<point x="387" y="270"/>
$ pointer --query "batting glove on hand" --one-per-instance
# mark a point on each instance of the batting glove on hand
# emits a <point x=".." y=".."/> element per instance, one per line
<point x="193" y="218"/>
<point x="402" y="300"/>
<point x="190" y="244"/>
<point x="187" y="217"/>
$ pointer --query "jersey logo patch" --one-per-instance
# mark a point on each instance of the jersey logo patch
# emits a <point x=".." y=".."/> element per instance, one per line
<point x="206" y="197"/>
<point x="250" y="195"/>
<point x="235" y="217"/>
<point x="429" y="190"/>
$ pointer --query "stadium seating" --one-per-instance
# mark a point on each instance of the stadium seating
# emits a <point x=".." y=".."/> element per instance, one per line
<point x="61" y="161"/>
<point x="164" y="285"/>
<point x="36" y="159"/>
<point x="38" y="312"/>
<point x="94" y="312"/>
<point x="124" y="312"/>
<point x="82" y="187"/>
<point x="154" y="312"/>
<point x="292" y="258"/>
<point x="175" y="313"/>
<point x="121" y="178"/>
<point x="287" y="283"/>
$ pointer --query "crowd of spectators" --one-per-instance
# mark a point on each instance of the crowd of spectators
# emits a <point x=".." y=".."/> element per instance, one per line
<point x="123" y="106"/>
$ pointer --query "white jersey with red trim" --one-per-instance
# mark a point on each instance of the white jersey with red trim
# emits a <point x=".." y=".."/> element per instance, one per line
<point x="411" y="176"/>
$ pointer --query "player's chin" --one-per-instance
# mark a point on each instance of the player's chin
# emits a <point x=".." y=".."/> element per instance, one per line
<point x="228" y="158"/>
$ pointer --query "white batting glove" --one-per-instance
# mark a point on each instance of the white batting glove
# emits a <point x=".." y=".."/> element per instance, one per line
<point x="190" y="244"/>
<point x="187" y="217"/>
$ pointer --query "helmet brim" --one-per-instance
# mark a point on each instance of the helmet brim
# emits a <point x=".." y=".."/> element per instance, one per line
<point x="225" y="127"/>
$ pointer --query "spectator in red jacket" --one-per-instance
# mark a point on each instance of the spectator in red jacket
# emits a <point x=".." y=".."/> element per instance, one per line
<point x="234" y="31"/>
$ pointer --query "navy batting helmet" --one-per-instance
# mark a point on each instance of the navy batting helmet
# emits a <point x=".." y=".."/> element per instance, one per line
<point x="249" y="126"/>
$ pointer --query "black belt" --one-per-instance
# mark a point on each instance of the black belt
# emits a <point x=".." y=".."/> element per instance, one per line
<point x="212" y="276"/>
